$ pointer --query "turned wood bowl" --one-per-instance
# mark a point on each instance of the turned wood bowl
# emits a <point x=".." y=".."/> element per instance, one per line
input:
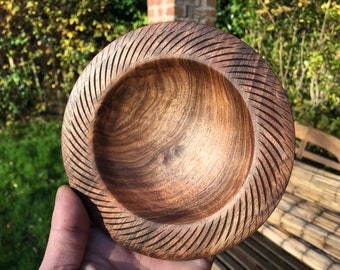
<point x="179" y="139"/>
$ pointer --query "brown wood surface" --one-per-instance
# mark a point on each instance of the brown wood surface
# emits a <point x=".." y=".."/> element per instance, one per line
<point x="257" y="253"/>
<point x="179" y="139"/>
<point x="309" y="135"/>
<point x="315" y="228"/>
<point x="316" y="259"/>
<point x="306" y="221"/>
<point x="316" y="186"/>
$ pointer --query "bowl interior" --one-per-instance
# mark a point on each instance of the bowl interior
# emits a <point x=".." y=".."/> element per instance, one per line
<point x="172" y="140"/>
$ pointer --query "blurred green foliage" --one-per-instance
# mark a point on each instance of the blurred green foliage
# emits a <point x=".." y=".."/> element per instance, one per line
<point x="44" y="46"/>
<point x="30" y="171"/>
<point x="300" y="41"/>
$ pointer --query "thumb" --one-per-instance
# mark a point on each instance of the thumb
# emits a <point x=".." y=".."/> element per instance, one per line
<point x="69" y="231"/>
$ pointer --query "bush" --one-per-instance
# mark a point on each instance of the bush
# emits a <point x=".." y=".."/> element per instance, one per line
<point x="44" y="45"/>
<point x="300" y="40"/>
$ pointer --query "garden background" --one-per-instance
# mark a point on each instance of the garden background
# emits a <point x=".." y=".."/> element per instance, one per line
<point x="44" y="46"/>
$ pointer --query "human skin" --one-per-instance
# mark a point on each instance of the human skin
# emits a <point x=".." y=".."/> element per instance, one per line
<point x="75" y="244"/>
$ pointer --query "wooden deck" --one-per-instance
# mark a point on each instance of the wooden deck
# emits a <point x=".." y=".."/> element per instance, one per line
<point x="306" y="222"/>
<point x="304" y="230"/>
<point x="257" y="252"/>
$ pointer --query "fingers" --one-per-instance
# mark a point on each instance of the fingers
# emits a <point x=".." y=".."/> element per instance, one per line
<point x="69" y="237"/>
<point x="69" y="231"/>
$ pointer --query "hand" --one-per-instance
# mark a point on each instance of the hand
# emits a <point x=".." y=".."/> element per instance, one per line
<point x="74" y="244"/>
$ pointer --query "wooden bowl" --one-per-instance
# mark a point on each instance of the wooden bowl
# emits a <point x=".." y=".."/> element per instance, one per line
<point x="179" y="139"/>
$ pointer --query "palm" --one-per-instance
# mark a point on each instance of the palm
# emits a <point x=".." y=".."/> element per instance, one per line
<point x="73" y="244"/>
<point x="103" y="253"/>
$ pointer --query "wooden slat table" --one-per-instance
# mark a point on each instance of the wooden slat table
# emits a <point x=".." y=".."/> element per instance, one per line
<point x="257" y="252"/>
<point x="304" y="230"/>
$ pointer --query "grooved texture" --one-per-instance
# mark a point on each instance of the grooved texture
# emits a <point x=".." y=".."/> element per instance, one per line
<point x="179" y="138"/>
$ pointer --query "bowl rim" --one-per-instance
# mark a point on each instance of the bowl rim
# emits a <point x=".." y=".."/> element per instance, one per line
<point x="273" y="135"/>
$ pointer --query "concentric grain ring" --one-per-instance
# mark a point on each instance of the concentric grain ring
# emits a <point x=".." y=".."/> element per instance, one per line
<point x="179" y="139"/>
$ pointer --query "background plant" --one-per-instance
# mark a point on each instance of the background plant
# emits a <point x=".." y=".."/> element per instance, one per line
<point x="44" y="45"/>
<point x="30" y="171"/>
<point x="300" y="40"/>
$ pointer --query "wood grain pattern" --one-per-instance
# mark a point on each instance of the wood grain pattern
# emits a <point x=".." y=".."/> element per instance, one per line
<point x="180" y="140"/>
<point x="158" y="126"/>
<point x="306" y="221"/>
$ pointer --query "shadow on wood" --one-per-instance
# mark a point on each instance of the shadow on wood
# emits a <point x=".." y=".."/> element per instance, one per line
<point x="182" y="138"/>
<point x="306" y="222"/>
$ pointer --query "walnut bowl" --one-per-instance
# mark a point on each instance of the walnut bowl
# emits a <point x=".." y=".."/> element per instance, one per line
<point x="179" y="139"/>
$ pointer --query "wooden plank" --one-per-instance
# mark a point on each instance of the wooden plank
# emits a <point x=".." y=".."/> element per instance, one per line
<point x="247" y="259"/>
<point x="313" y="258"/>
<point x="256" y="258"/>
<point x="331" y="216"/>
<point x="319" y="237"/>
<point x="315" y="186"/>
<point x="228" y="261"/>
<point x="321" y="139"/>
<point x="311" y="213"/>
<point x="321" y="200"/>
<point x="321" y="160"/>
<point x="272" y="261"/>
<point x="257" y="252"/>
<point x="306" y="174"/>
<point x="218" y="265"/>
<point x="315" y="170"/>
<point x="277" y="254"/>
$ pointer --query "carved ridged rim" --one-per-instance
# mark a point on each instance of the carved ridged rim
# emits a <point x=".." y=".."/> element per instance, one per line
<point x="273" y="134"/>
